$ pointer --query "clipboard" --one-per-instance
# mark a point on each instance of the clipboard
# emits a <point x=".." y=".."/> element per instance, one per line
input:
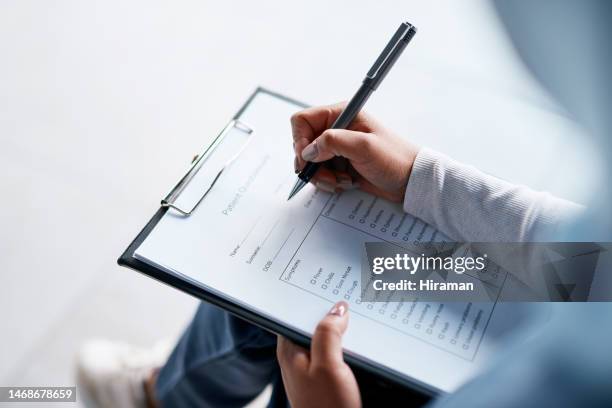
<point x="391" y="381"/>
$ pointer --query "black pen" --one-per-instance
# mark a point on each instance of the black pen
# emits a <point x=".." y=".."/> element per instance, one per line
<point x="373" y="78"/>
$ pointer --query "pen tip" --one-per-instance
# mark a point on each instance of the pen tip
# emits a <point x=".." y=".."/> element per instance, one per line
<point x="291" y="194"/>
<point x="296" y="188"/>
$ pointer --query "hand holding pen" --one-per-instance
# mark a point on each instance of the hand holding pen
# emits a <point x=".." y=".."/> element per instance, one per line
<point x="379" y="161"/>
<point x="344" y="118"/>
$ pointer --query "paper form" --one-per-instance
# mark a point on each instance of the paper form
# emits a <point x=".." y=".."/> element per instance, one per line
<point x="290" y="261"/>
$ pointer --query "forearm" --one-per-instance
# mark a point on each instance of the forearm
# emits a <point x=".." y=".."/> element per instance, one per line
<point x="469" y="205"/>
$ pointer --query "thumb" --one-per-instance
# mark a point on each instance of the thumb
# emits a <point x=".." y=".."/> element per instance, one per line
<point x="326" y="348"/>
<point x="337" y="142"/>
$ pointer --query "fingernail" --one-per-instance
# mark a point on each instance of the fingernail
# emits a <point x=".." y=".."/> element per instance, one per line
<point x="344" y="179"/>
<point x="338" y="309"/>
<point x="325" y="186"/>
<point x="349" y="186"/>
<point x="346" y="186"/>
<point x="344" y="182"/>
<point x="310" y="152"/>
<point x="296" y="165"/>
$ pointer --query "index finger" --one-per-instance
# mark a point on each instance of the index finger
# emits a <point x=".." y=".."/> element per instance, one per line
<point x="291" y="356"/>
<point x="311" y="122"/>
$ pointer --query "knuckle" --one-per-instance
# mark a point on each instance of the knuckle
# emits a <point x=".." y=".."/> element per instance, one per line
<point x="326" y="369"/>
<point x="365" y="117"/>
<point x="328" y="133"/>
<point x="297" y="116"/>
<point x="323" y="369"/>
<point x="295" y="122"/>
<point x="363" y="142"/>
<point x="326" y="328"/>
<point x="328" y="138"/>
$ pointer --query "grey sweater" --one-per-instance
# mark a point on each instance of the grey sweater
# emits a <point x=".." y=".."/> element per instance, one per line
<point x="567" y="365"/>
<point x="471" y="206"/>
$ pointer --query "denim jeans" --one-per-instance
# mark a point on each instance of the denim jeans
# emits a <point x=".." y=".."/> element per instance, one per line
<point x="223" y="361"/>
<point x="220" y="361"/>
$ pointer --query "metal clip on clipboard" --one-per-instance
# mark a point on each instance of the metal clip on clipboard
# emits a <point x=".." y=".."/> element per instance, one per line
<point x="227" y="145"/>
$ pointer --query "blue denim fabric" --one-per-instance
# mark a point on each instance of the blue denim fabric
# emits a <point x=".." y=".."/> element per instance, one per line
<point x="220" y="361"/>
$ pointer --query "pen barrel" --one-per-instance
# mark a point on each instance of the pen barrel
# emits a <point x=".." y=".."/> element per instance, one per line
<point x="309" y="171"/>
<point x="353" y="108"/>
<point x="343" y="121"/>
<point x="374" y="77"/>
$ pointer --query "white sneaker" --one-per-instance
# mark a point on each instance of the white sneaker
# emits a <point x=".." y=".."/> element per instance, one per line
<point x="112" y="374"/>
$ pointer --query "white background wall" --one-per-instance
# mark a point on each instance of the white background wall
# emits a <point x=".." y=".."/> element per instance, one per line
<point x="103" y="103"/>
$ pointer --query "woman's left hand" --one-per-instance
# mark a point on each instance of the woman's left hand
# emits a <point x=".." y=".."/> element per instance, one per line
<point x="320" y="377"/>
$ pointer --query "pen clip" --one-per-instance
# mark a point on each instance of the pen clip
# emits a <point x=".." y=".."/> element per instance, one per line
<point x="394" y="47"/>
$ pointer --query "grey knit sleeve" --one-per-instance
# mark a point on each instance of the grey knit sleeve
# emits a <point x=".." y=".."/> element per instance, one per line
<point x="469" y="205"/>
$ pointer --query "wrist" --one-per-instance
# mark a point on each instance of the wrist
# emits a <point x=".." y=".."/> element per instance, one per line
<point x="420" y="182"/>
<point x="411" y="154"/>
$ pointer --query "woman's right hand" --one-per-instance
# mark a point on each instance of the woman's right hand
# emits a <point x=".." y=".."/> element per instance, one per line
<point x="379" y="161"/>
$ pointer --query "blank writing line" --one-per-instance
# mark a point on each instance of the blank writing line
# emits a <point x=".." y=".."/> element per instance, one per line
<point x="281" y="247"/>
<point x="270" y="233"/>
<point x="251" y="230"/>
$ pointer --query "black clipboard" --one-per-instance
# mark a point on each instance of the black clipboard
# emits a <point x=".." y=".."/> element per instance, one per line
<point x="393" y="382"/>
